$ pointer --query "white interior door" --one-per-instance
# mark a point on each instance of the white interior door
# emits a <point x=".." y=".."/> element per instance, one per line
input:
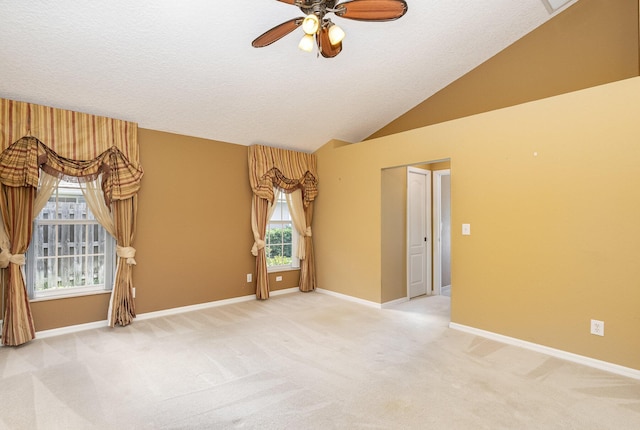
<point x="418" y="232"/>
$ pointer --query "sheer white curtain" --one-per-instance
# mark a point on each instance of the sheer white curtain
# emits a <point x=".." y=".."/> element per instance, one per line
<point x="46" y="185"/>
<point x="92" y="193"/>
<point x="296" y="208"/>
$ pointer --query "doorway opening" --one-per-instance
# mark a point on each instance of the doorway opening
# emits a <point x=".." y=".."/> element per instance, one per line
<point x="402" y="265"/>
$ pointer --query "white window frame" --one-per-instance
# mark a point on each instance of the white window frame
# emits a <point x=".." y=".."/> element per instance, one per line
<point x="275" y="219"/>
<point x="87" y="222"/>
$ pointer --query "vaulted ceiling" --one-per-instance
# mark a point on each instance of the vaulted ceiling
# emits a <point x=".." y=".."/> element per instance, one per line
<point x="189" y="68"/>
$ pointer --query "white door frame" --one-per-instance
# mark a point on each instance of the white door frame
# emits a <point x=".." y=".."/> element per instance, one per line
<point x="427" y="230"/>
<point x="437" y="229"/>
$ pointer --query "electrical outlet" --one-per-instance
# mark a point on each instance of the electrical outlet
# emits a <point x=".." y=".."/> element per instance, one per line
<point x="278" y="278"/>
<point x="249" y="277"/>
<point x="597" y="327"/>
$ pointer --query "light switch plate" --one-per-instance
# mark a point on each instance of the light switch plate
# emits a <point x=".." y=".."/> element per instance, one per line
<point x="466" y="229"/>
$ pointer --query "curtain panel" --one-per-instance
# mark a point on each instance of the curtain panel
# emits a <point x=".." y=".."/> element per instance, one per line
<point x="66" y="144"/>
<point x="289" y="171"/>
<point x="16" y="206"/>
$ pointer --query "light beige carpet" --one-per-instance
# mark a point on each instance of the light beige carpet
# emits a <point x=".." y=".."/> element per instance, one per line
<point x="303" y="361"/>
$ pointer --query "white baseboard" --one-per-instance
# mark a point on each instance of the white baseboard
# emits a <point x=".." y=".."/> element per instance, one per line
<point x="564" y="355"/>
<point x="392" y="303"/>
<point x="350" y="298"/>
<point x="285" y="291"/>
<point x="71" y="329"/>
<point x="208" y="305"/>
<point x="149" y="315"/>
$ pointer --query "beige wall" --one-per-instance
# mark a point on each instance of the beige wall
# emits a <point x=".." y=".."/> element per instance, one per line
<point x="554" y="237"/>
<point x="591" y="43"/>
<point x="393" y="234"/>
<point x="194" y="232"/>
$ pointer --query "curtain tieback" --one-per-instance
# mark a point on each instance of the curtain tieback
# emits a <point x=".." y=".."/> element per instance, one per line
<point x="127" y="252"/>
<point x="257" y="245"/>
<point x="6" y="258"/>
<point x="308" y="232"/>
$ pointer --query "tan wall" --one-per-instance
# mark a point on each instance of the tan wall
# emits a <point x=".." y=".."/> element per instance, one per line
<point x="591" y="43"/>
<point x="554" y="237"/>
<point x="194" y="232"/>
<point x="394" y="234"/>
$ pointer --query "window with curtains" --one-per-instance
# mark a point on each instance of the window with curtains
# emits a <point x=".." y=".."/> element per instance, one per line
<point x="281" y="238"/>
<point x="70" y="252"/>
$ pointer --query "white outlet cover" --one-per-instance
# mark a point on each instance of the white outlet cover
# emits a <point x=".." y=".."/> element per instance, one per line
<point x="466" y="229"/>
<point x="597" y="327"/>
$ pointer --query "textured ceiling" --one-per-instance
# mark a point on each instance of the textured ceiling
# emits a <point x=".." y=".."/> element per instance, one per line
<point x="188" y="67"/>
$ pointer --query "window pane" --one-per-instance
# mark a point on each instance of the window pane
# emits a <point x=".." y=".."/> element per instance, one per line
<point x="275" y="251"/>
<point x="98" y="238"/>
<point x="96" y="270"/>
<point x="49" y="210"/>
<point x="274" y="256"/>
<point x="77" y="278"/>
<point x="275" y="235"/>
<point x="68" y="245"/>
<point x="286" y="234"/>
<point x="65" y="272"/>
<point x="44" y="271"/>
<point x="282" y="211"/>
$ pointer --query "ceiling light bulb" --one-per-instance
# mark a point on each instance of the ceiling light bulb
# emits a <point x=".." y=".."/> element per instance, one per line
<point x="306" y="44"/>
<point x="310" y="24"/>
<point x="336" y="34"/>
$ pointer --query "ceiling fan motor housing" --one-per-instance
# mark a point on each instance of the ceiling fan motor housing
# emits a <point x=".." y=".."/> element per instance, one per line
<point x="317" y="7"/>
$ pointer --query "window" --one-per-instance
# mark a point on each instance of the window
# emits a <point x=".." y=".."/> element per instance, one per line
<point x="70" y="252"/>
<point x="281" y="238"/>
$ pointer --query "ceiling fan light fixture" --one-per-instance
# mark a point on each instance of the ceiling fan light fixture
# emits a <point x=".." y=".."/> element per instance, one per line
<point x="336" y="34"/>
<point x="306" y="43"/>
<point x="310" y="24"/>
<point x="317" y="26"/>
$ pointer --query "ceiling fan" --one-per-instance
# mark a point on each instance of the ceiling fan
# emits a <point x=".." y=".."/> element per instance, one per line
<point x="328" y="36"/>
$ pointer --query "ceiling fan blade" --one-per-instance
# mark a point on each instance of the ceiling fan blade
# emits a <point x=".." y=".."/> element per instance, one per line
<point x="276" y="33"/>
<point x="372" y="10"/>
<point x="324" y="44"/>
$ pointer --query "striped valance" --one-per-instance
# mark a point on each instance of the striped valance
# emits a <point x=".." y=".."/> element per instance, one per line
<point x="72" y="135"/>
<point x="288" y="170"/>
<point x="68" y="144"/>
<point x="20" y="164"/>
